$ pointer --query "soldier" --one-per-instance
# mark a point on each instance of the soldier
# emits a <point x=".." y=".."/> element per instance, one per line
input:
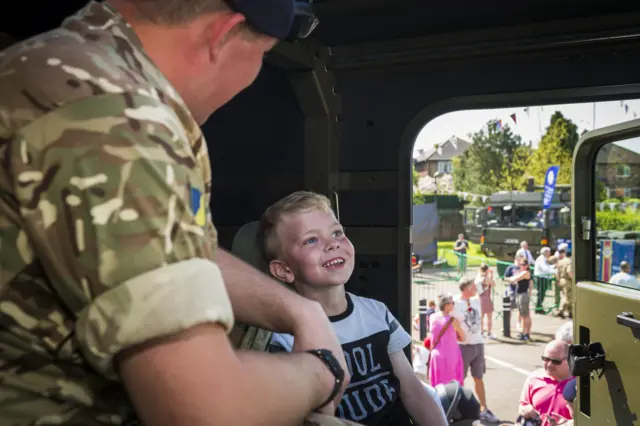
<point x="565" y="277"/>
<point x="113" y="308"/>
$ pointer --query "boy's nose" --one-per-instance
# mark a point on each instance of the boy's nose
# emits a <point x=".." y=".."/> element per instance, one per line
<point x="333" y="245"/>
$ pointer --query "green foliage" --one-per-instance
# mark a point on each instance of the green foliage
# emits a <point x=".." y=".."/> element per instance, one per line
<point x="555" y="148"/>
<point x="495" y="160"/>
<point x="601" y="191"/>
<point x="418" y="197"/>
<point x="617" y="220"/>
<point x="515" y="170"/>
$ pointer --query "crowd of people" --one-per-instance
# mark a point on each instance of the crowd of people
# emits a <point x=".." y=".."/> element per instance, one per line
<point x="454" y="347"/>
<point x="457" y="326"/>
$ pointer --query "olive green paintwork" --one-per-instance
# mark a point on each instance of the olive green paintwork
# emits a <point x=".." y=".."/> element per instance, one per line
<point x="613" y="399"/>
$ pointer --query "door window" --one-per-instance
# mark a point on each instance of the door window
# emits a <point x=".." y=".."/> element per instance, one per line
<point x="618" y="214"/>
<point x="470" y="217"/>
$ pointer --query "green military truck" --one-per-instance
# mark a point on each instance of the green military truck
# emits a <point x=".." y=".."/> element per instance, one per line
<point x="512" y="217"/>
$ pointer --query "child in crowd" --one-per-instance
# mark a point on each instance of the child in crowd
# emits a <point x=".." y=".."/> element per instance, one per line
<point x="431" y="309"/>
<point x="306" y="247"/>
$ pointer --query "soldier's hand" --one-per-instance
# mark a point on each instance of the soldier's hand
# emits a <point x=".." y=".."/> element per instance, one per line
<point x="314" y="331"/>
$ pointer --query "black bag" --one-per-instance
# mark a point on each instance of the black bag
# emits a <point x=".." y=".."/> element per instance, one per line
<point x="521" y="421"/>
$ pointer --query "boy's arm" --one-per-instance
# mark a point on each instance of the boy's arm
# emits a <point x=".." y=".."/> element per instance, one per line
<point x="421" y="405"/>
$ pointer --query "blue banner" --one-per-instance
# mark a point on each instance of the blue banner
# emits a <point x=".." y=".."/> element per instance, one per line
<point x="549" y="186"/>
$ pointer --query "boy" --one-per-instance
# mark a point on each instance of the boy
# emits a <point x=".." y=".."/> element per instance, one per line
<point x="305" y="247"/>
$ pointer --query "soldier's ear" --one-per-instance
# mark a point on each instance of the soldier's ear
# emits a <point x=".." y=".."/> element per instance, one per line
<point x="220" y="31"/>
<point x="281" y="271"/>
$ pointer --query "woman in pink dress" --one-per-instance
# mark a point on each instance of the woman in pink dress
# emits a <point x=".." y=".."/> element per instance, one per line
<point x="445" y="363"/>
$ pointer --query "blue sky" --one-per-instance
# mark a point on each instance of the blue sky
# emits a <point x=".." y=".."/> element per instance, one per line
<point x="529" y="126"/>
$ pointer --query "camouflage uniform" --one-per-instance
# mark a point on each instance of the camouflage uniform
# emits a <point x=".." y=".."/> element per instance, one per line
<point x="564" y="281"/>
<point x="104" y="195"/>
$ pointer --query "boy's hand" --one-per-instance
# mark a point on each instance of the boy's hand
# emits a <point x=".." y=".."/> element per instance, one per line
<point x="313" y="330"/>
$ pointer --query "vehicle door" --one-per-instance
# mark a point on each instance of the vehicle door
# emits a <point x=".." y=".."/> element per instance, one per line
<point x="607" y="273"/>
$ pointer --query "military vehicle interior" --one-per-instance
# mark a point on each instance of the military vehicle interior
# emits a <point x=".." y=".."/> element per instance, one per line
<point x="338" y="113"/>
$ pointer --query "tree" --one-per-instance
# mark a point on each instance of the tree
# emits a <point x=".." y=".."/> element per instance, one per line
<point x="495" y="160"/>
<point x="555" y="148"/>
<point x="417" y="195"/>
<point x="515" y="170"/>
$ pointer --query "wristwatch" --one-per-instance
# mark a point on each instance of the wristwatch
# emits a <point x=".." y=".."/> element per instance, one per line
<point x="326" y="356"/>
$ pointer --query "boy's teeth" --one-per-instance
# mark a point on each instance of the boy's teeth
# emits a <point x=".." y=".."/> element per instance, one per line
<point x="334" y="262"/>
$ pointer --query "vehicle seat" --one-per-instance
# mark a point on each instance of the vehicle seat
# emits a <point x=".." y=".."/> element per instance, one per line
<point x="245" y="247"/>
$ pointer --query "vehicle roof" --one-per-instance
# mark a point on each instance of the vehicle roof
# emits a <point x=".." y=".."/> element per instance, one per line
<point x="527" y="198"/>
<point x="344" y="22"/>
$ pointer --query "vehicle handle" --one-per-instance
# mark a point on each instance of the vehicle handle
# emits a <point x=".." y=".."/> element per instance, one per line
<point x="627" y="319"/>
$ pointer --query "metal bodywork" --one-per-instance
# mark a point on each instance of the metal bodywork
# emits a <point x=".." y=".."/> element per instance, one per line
<point x="510" y="218"/>
<point x="339" y="113"/>
<point x="614" y="397"/>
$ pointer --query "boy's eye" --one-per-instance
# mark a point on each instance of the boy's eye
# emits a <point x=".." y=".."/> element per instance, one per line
<point x="311" y="240"/>
<point x="338" y="233"/>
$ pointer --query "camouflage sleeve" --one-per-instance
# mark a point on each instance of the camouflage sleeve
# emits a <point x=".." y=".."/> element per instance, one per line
<point x="114" y="205"/>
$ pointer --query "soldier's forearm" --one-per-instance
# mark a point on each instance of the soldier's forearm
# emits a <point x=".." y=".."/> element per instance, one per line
<point x="258" y="299"/>
<point x="195" y="378"/>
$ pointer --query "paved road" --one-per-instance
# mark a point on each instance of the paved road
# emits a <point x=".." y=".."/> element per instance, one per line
<point x="509" y="361"/>
<point x="507" y="368"/>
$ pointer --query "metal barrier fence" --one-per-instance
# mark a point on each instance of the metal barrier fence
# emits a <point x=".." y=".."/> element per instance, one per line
<point x="444" y="275"/>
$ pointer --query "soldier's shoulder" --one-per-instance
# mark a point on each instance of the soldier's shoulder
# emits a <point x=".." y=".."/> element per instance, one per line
<point x="52" y="70"/>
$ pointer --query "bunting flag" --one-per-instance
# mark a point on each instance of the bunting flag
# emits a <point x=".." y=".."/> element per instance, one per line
<point x="526" y="110"/>
<point x="601" y="206"/>
<point x="612" y="206"/>
<point x="513" y="117"/>
<point x="628" y="109"/>
<point x="499" y="125"/>
<point x="484" y="198"/>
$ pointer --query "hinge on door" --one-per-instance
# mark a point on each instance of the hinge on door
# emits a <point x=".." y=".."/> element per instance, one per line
<point x="586" y="228"/>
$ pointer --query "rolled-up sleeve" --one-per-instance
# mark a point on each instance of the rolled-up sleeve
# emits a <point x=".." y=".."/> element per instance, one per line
<point x="115" y="204"/>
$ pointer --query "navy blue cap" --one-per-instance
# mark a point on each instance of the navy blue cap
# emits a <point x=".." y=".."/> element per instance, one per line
<point x="276" y="18"/>
<point x="569" y="391"/>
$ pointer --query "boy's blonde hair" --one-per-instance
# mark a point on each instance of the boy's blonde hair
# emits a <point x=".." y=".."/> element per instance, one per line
<point x="295" y="203"/>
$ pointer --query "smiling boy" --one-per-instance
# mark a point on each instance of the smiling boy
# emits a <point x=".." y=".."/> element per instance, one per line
<point x="306" y="247"/>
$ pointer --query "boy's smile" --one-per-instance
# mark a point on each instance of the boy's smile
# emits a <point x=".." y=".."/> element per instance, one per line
<point x="315" y="249"/>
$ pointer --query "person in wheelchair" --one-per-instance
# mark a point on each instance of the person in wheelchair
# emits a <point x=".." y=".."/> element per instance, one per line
<point x="306" y="247"/>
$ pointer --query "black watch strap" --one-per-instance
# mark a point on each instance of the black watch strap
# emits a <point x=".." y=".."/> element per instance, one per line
<point x="336" y="369"/>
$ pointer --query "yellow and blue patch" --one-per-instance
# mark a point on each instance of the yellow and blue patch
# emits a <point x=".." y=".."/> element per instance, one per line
<point x="198" y="206"/>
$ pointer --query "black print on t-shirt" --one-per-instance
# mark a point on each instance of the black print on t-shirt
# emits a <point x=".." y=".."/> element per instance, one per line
<point x="373" y="385"/>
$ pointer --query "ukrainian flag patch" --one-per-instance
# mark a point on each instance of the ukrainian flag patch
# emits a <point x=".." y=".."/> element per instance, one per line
<point x="198" y="206"/>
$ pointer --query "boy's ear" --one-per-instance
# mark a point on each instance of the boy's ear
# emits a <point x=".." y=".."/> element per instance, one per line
<point x="281" y="271"/>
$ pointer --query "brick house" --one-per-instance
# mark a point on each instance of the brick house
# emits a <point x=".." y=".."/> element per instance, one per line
<point x="619" y="169"/>
<point x="430" y="161"/>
